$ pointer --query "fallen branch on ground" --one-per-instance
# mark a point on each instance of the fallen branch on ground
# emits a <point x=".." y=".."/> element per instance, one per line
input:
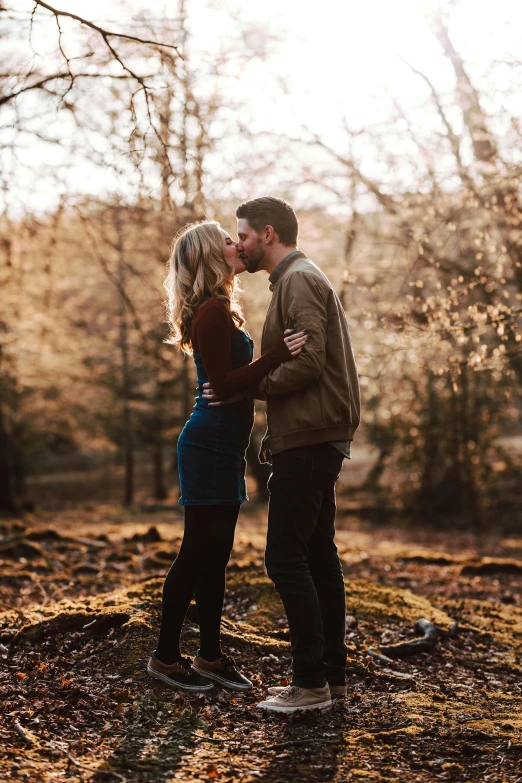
<point x="429" y="636"/>
<point x="214" y="739"/>
<point x="23" y="733"/>
<point x="293" y="744"/>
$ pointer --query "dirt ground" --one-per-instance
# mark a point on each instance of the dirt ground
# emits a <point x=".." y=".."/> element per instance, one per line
<point x="80" y="601"/>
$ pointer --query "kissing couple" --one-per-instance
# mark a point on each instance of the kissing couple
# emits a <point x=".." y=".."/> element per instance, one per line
<point x="308" y="376"/>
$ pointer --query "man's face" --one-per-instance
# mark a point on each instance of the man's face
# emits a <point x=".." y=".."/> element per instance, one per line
<point x="250" y="245"/>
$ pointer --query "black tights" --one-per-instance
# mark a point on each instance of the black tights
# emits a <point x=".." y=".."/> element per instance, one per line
<point x="199" y="570"/>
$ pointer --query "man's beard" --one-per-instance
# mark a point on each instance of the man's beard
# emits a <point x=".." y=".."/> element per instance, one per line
<point x="252" y="261"/>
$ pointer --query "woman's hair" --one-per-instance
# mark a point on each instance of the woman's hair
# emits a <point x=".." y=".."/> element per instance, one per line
<point x="197" y="270"/>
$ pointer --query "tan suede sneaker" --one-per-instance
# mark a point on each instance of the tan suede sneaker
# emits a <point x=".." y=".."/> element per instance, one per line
<point x="179" y="674"/>
<point x="336" y="691"/>
<point x="223" y="670"/>
<point x="293" y="698"/>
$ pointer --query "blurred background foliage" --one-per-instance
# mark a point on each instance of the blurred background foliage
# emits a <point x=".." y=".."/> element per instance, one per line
<point x="416" y="219"/>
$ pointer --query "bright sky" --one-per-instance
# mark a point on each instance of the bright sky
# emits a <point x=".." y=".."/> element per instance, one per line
<point x="340" y="57"/>
<point x="344" y="52"/>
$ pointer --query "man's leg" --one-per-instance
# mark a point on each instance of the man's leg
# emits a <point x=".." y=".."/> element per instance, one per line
<point x="295" y="502"/>
<point x="327" y="573"/>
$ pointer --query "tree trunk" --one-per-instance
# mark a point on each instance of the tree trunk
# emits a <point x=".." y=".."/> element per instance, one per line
<point x="473" y="114"/>
<point x="372" y="482"/>
<point x="468" y="472"/>
<point x="432" y="451"/>
<point x="160" y="493"/>
<point x="127" y="433"/>
<point x="7" y="501"/>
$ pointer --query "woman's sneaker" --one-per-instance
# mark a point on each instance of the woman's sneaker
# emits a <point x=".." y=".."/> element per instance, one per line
<point x="336" y="691"/>
<point x="179" y="674"/>
<point x="223" y="671"/>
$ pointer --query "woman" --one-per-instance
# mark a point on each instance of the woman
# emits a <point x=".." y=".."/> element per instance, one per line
<point x="206" y="321"/>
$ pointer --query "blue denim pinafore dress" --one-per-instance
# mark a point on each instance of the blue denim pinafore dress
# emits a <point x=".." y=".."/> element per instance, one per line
<point x="212" y="444"/>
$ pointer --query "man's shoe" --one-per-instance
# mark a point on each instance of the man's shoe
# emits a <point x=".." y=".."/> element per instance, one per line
<point x="223" y="671"/>
<point x="336" y="691"/>
<point x="179" y="674"/>
<point x="293" y="698"/>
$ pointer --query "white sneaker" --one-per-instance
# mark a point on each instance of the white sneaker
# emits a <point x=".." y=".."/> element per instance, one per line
<point x="293" y="698"/>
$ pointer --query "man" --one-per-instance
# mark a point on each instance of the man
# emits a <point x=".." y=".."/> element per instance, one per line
<point x="313" y="410"/>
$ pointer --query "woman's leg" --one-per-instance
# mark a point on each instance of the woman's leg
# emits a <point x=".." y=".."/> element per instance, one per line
<point x="178" y="589"/>
<point x="200" y="566"/>
<point x="216" y="546"/>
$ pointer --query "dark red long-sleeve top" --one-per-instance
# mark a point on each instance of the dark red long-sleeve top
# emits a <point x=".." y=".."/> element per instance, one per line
<point x="212" y="340"/>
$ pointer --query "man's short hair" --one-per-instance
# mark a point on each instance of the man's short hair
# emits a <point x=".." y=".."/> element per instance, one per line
<point x="270" y="211"/>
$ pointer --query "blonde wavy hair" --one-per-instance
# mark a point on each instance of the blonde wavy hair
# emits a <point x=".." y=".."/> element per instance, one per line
<point x="197" y="270"/>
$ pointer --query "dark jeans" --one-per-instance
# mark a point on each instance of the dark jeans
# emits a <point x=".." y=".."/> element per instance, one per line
<point x="302" y="561"/>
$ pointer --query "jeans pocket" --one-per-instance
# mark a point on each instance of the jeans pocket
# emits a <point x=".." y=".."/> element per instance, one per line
<point x="291" y="465"/>
<point x="328" y="459"/>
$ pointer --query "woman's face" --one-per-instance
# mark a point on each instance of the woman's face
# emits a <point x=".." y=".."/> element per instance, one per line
<point x="232" y="254"/>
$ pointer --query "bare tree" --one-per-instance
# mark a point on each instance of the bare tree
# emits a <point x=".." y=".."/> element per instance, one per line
<point x="449" y="292"/>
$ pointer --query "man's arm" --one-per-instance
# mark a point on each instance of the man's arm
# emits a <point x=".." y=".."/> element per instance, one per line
<point x="304" y="300"/>
<point x="295" y="344"/>
<point x="212" y="334"/>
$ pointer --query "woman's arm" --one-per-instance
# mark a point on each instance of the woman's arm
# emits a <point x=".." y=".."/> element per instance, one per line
<point x="302" y="295"/>
<point x="212" y="337"/>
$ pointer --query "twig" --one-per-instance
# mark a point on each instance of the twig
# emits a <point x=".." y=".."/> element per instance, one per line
<point x="55" y="745"/>
<point x="378" y="730"/>
<point x="87" y="542"/>
<point x="462" y="719"/>
<point x="96" y="770"/>
<point x="43" y="590"/>
<point x="10" y="608"/>
<point x="377" y="656"/>
<point x="212" y="739"/>
<point x="40" y="84"/>
<point x="105" y="33"/>
<point x="293" y="743"/>
<point x="429" y="634"/>
<point x="25" y="735"/>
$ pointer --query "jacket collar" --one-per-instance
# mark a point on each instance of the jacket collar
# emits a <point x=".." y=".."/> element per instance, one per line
<point x="283" y="265"/>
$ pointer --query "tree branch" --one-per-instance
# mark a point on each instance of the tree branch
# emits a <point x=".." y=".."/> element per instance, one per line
<point x="384" y="200"/>
<point x="451" y="135"/>
<point x="105" y="33"/>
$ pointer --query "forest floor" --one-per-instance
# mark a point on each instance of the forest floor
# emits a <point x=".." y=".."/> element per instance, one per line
<point x="79" y="613"/>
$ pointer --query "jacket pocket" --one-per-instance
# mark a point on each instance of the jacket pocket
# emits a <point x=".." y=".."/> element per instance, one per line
<point x="300" y="411"/>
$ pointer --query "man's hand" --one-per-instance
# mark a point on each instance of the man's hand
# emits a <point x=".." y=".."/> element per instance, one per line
<point x="213" y="402"/>
<point x="295" y="344"/>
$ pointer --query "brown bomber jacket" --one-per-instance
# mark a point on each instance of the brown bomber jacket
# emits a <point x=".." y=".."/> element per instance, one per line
<point x="315" y="397"/>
